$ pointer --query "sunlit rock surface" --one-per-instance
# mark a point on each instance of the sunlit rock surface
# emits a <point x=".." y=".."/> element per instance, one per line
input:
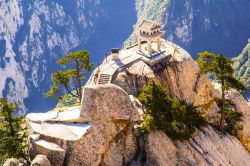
<point x="206" y="147"/>
<point x="40" y="160"/>
<point x="108" y="132"/>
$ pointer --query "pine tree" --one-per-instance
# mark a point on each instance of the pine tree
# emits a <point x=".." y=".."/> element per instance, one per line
<point x="176" y="118"/>
<point x="221" y="68"/>
<point x="232" y="116"/>
<point x="13" y="135"/>
<point x="72" y="79"/>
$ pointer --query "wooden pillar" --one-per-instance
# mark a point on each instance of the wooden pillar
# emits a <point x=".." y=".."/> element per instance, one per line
<point x="139" y="44"/>
<point x="158" y="44"/>
<point x="149" y="47"/>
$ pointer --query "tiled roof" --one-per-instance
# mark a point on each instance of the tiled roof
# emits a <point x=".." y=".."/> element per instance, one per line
<point x="149" y="25"/>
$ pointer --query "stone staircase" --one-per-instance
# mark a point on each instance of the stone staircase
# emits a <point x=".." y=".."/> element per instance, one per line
<point x="52" y="138"/>
<point x="50" y="147"/>
<point x="104" y="79"/>
<point x="129" y="138"/>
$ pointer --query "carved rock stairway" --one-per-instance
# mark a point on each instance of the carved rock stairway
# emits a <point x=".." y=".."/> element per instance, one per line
<point x="129" y="141"/>
<point x="42" y="144"/>
<point x="104" y="79"/>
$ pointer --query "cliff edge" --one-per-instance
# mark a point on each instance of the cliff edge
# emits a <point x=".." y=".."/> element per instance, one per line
<point x="104" y="130"/>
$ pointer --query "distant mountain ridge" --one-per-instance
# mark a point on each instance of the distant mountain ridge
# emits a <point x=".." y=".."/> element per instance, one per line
<point x="216" y="26"/>
<point x="35" y="33"/>
<point x="242" y="67"/>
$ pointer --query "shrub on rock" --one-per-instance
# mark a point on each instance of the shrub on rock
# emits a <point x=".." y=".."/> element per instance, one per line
<point x="176" y="118"/>
<point x="12" y="132"/>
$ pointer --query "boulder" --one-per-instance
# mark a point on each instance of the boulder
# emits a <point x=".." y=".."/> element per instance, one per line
<point x="40" y="160"/>
<point x="15" y="162"/>
<point x="110" y="109"/>
<point x="11" y="162"/>
<point x="54" y="153"/>
<point x="107" y="103"/>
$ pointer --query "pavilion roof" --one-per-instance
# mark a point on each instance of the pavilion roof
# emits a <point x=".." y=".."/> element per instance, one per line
<point x="149" y="25"/>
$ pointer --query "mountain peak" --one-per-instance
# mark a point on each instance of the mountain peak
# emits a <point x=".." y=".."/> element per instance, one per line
<point x="242" y="64"/>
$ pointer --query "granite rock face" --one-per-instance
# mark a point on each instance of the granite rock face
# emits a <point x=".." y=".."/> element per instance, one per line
<point x="14" y="162"/>
<point x="178" y="76"/>
<point x="111" y="112"/>
<point x="160" y="149"/>
<point x="206" y="147"/>
<point x="110" y="109"/>
<point x="89" y="149"/>
<point x="112" y="137"/>
<point x="54" y="153"/>
<point x="40" y="160"/>
<point x="107" y="103"/>
<point x="243" y="106"/>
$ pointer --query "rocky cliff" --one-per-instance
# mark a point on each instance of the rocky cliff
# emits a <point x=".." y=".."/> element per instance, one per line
<point x="33" y="34"/>
<point x="241" y="65"/>
<point x="110" y="114"/>
<point x="200" y="26"/>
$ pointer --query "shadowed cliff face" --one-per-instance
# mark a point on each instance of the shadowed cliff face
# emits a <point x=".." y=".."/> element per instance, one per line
<point x="34" y="34"/>
<point x="241" y="65"/>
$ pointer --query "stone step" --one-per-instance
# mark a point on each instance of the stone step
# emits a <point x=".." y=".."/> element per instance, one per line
<point x="104" y="79"/>
<point x="35" y="137"/>
<point x="129" y="138"/>
<point x="58" y="132"/>
<point x="48" y="145"/>
<point x="54" y="152"/>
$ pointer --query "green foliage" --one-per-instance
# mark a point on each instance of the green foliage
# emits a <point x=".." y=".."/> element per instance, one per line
<point x="176" y="118"/>
<point x="227" y="103"/>
<point x="221" y="67"/>
<point x="148" y="124"/>
<point x="241" y="65"/>
<point x="12" y="133"/>
<point x="67" y="101"/>
<point x="72" y="79"/>
<point x="232" y="117"/>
